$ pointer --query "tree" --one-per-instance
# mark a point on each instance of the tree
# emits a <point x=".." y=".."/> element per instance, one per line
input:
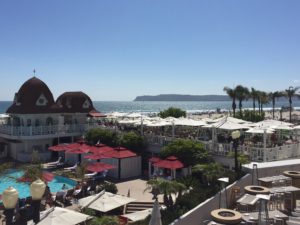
<point x="210" y="171"/>
<point x="253" y="95"/>
<point x="80" y="171"/>
<point x="290" y="93"/>
<point x="232" y="94"/>
<point x="262" y="99"/>
<point x="242" y="94"/>
<point x="133" y="141"/>
<point x="273" y="96"/>
<point x="188" y="151"/>
<point x="104" y="136"/>
<point x="166" y="187"/>
<point x="172" y="112"/>
<point x="105" y="220"/>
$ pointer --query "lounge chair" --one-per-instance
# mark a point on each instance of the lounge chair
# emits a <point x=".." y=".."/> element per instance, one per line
<point x="71" y="168"/>
<point x="53" y="164"/>
<point x="90" y="175"/>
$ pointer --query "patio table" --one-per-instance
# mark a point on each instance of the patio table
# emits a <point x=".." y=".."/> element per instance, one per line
<point x="248" y="199"/>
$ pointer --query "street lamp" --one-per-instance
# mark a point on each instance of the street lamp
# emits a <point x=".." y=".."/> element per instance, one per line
<point x="10" y="198"/>
<point x="235" y="136"/>
<point x="37" y="189"/>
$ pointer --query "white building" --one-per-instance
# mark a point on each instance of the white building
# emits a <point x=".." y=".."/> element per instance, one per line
<point x="36" y="121"/>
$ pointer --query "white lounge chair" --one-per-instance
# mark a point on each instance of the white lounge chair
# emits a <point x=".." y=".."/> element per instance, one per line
<point x="53" y="164"/>
<point x="71" y="168"/>
<point x="90" y="175"/>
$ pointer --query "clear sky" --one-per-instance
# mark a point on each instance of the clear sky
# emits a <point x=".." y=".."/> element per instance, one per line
<point x="118" y="49"/>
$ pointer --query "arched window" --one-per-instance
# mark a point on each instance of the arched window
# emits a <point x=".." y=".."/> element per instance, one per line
<point x="49" y="121"/>
<point x="37" y="122"/>
<point x="28" y="122"/>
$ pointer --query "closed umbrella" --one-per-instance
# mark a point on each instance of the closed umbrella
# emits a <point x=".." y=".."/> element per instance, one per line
<point x="155" y="215"/>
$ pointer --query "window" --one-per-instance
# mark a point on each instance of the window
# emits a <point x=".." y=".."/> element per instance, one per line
<point x="41" y="101"/>
<point x="37" y="122"/>
<point x="28" y="122"/>
<point x="86" y="104"/>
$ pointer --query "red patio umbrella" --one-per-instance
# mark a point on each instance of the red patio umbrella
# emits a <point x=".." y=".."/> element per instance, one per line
<point x="120" y="153"/>
<point x="59" y="147"/>
<point x="154" y="159"/>
<point x="99" y="167"/>
<point x="101" y="148"/>
<point x="96" y="156"/>
<point x="169" y="163"/>
<point x="46" y="176"/>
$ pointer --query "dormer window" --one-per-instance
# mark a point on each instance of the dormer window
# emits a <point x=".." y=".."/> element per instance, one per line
<point x="16" y="99"/>
<point x="86" y="104"/>
<point x="42" y="101"/>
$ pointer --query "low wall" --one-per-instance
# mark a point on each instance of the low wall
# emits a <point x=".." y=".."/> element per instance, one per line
<point x="201" y="212"/>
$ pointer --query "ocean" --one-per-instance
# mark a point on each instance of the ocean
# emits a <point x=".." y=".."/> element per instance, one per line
<point x="157" y="106"/>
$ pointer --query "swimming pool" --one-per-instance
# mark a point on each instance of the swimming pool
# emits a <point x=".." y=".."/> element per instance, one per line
<point x="10" y="179"/>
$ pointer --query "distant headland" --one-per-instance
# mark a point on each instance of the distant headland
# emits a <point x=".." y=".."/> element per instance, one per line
<point x="178" y="97"/>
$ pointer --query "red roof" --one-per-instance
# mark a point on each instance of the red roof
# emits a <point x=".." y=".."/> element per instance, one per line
<point x="120" y="153"/>
<point x="99" y="167"/>
<point x="97" y="156"/>
<point x="169" y="163"/>
<point x="101" y="148"/>
<point x="95" y="113"/>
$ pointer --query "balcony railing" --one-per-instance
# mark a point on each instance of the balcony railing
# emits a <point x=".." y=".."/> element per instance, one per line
<point x="44" y="130"/>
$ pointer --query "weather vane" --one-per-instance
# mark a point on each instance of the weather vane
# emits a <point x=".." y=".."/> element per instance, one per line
<point x="34" y="72"/>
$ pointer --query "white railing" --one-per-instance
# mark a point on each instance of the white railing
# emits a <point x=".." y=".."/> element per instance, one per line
<point x="45" y="130"/>
<point x="255" y="153"/>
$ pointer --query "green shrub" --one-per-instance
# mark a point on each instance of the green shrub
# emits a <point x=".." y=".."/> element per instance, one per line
<point x="172" y="112"/>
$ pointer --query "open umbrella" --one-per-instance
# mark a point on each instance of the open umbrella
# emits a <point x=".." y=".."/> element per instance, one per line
<point x="96" y="156"/>
<point x="154" y="159"/>
<point x="59" y="147"/>
<point x="105" y="202"/>
<point x="169" y="163"/>
<point x="120" y="153"/>
<point x="99" y="167"/>
<point x="46" y="176"/>
<point x="62" y="216"/>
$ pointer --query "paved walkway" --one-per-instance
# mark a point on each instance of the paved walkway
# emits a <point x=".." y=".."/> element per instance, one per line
<point x="136" y="188"/>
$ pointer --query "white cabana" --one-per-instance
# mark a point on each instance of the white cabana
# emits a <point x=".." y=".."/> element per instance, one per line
<point x="133" y="115"/>
<point x="61" y="216"/>
<point x="227" y="125"/>
<point x="115" y="115"/>
<point x="282" y="127"/>
<point x="139" y="215"/>
<point x="105" y="202"/>
<point x="269" y="123"/>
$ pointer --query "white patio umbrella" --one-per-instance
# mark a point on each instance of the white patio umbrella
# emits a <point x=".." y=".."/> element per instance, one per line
<point x="61" y="216"/>
<point x="260" y="130"/>
<point x="139" y="215"/>
<point x="189" y="122"/>
<point x="106" y="202"/>
<point x="155" y="215"/>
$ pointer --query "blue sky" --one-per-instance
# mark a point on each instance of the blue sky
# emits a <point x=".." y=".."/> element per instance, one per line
<point x="118" y="49"/>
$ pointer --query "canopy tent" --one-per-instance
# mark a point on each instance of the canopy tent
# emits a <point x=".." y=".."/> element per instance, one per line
<point x="260" y="130"/>
<point x="139" y="215"/>
<point x="227" y="125"/>
<point x="189" y="122"/>
<point x="268" y="123"/>
<point x="61" y="216"/>
<point x="99" y="167"/>
<point x="106" y="202"/>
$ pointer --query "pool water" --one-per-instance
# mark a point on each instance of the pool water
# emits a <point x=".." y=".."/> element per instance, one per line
<point x="10" y="179"/>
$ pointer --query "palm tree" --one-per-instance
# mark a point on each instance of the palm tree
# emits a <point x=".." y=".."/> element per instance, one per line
<point x="242" y="93"/>
<point x="231" y="93"/>
<point x="262" y="98"/>
<point x="165" y="187"/>
<point x="290" y="93"/>
<point x="80" y="171"/>
<point x="253" y="95"/>
<point x="210" y="171"/>
<point x="273" y="96"/>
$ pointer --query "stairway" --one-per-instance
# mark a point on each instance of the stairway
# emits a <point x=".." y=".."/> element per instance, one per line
<point x="138" y="206"/>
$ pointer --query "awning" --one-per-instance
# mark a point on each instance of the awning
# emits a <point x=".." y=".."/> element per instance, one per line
<point x="95" y="113"/>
